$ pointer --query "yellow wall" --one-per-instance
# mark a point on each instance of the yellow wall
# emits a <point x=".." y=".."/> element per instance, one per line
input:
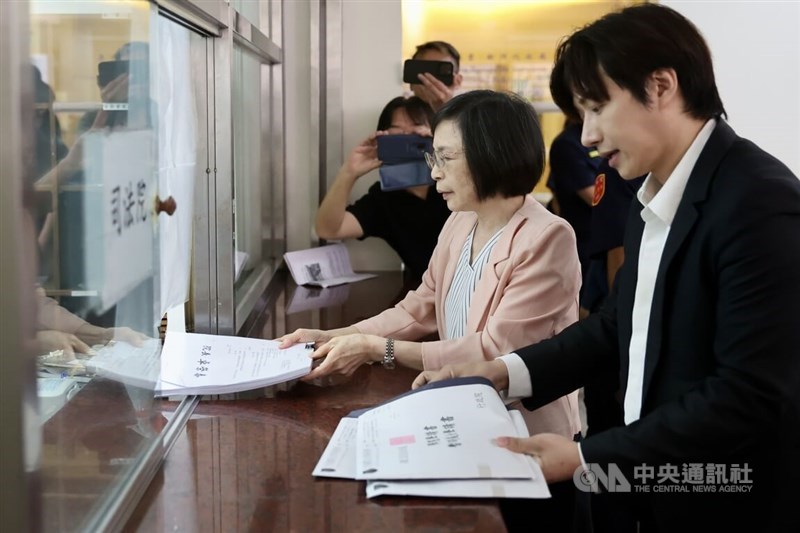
<point x="521" y="30"/>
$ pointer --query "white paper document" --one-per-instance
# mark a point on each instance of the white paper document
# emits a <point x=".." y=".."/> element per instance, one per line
<point x="535" y="487"/>
<point x="341" y="458"/>
<point x="129" y="364"/>
<point x="442" y="432"/>
<point x="325" y="266"/>
<point x="193" y="363"/>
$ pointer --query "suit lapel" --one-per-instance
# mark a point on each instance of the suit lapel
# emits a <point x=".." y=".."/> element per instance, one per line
<point x="689" y="210"/>
<point x="487" y="286"/>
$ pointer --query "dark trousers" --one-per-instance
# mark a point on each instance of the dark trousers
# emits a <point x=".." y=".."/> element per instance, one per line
<point x="611" y="513"/>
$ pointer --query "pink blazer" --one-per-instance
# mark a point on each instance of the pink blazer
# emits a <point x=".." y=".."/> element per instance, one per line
<point x="528" y="292"/>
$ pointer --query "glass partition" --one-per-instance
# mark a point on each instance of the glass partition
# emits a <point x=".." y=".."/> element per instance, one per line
<point x="116" y="105"/>
<point x="115" y="151"/>
<point x="249" y="8"/>
<point x="251" y="185"/>
<point x="254" y="177"/>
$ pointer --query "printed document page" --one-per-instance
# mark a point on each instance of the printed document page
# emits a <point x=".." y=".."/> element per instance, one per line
<point x="193" y="363"/>
<point x="339" y="457"/>
<point x="469" y="488"/>
<point x="325" y="266"/>
<point x="441" y="432"/>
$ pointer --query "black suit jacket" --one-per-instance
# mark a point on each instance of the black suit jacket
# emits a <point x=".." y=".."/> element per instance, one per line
<point x="722" y="363"/>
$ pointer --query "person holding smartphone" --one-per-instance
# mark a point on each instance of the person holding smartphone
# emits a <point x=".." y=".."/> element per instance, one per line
<point x="409" y="220"/>
<point x="505" y="270"/>
<point x="429" y="88"/>
<point x="116" y="84"/>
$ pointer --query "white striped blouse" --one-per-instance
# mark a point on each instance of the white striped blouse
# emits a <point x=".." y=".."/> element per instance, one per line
<point x="459" y="297"/>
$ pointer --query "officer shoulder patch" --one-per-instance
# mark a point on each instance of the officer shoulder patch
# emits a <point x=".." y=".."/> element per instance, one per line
<point x="599" y="189"/>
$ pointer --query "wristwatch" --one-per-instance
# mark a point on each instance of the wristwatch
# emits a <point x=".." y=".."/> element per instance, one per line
<point x="388" y="356"/>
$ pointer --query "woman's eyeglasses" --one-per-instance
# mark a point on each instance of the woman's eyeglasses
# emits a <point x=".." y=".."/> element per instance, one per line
<point x="438" y="159"/>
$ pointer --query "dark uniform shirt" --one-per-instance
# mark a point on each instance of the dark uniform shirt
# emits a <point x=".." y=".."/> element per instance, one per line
<point x="409" y="224"/>
<point x="612" y="201"/>
<point x="610" y="205"/>
<point x="571" y="169"/>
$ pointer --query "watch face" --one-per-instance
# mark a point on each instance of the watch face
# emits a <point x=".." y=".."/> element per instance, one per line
<point x="388" y="364"/>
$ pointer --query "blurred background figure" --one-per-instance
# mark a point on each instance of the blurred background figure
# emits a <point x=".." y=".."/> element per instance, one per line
<point x="430" y="89"/>
<point x="409" y="220"/>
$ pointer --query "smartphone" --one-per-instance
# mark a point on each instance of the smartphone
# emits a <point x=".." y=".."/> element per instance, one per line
<point x="108" y="71"/>
<point x="398" y="149"/>
<point x="441" y="70"/>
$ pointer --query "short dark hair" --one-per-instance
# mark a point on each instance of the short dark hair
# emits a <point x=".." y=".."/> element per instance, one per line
<point x="440" y="46"/>
<point x="418" y="111"/>
<point x="628" y="46"/>
<point x="502" y="141"/>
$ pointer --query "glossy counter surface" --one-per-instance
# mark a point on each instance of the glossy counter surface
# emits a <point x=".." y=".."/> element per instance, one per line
<point x="245" y="465"/>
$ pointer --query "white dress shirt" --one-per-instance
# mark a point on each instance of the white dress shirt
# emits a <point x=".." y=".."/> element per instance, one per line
<point x="660" y="203"/>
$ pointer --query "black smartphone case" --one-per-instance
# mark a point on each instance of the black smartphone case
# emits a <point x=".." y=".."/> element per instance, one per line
<point x="441" y="70"/>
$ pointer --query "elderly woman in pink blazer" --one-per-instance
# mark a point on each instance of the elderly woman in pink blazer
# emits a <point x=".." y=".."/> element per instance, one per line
<point x="504" y="273"/>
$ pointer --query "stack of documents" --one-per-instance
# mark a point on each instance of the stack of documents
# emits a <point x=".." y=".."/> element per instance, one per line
<point x="435" y="441"/>
<point x="193" y="363"/>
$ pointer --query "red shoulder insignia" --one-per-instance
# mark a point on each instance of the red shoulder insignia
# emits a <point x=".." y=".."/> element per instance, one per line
<point x="599" y="189"/>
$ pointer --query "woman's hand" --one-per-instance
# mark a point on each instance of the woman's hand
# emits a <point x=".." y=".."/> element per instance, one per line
<point x="52" y="340"/>
<point x="364" y="157"/>
<point x="317" y="336"/>
<point x="343" y="355"/>
<point x="128" y="335"/>
<point x="422" y="131"/>
<point x="92" y="335"/>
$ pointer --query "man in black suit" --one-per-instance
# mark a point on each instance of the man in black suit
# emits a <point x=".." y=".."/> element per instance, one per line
<point x="703" y="323"/>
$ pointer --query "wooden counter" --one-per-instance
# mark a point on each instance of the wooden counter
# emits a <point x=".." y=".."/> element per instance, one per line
<point x="245" y="465"/>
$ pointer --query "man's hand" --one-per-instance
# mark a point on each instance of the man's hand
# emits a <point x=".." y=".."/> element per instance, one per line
<point x="432" y="90"/>
<point x="495" y="371"/>
<point x="116" y="90"/>
<point x="558" y="456"/>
